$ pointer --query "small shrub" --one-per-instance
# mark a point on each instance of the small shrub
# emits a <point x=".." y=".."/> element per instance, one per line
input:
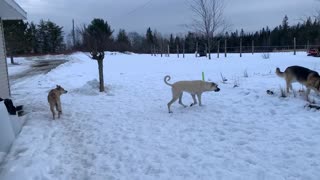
<point x="224" y="80"/>
<point x="313" y="101"/>
<point x="266" y="55"/>
<point x="236" y="83"/>
<point x="294" y="93"/>
<point x="245" y="74"/>
<point x="283" y="93"/>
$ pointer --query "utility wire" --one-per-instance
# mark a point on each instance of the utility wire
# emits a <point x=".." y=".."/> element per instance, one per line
<point x="139" y="7"/>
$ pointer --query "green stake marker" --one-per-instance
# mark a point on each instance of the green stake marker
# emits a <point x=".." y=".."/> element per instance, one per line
<point x="202" y="76"/>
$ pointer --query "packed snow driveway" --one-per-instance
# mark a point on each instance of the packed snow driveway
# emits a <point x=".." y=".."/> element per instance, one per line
<point x="36" y="67"/>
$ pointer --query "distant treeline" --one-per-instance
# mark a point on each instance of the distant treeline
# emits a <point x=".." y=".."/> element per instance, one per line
<point x="47" y="37"/>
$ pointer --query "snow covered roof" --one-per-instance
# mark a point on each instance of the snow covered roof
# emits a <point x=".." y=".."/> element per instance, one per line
<point x="10" y="10"/>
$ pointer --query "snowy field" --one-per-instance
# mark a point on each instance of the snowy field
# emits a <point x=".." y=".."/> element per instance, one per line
<point x="127" y="133"/>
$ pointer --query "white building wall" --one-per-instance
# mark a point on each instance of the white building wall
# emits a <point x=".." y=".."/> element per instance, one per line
<point x="4" y="82"/>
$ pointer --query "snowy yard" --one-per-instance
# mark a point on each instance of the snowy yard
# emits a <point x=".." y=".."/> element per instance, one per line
<point x="127" y="133"/>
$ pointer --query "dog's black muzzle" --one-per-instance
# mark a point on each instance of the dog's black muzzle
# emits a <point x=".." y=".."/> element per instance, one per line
<point x="217" y="90"/>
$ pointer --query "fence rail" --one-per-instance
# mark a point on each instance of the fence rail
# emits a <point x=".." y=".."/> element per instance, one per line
<point x="222" y="48"/>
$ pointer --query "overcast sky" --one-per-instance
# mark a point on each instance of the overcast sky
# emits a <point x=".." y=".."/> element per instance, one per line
<point x="167" y="16"/>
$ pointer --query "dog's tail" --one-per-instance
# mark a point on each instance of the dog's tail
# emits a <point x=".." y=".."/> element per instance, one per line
<point x="279" y="73"/>
<point x="166" y="79"/>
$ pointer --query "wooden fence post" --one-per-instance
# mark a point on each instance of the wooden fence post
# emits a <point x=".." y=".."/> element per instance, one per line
<point x="252" y="46"/>
<point x="294" y="46"/>
<point x="225" y="48"/>
<point x="206" y="50"/>
<point x="178" y="50"/>
<point x="183" y="50"/>
<point x="151" y="51"/>
<point x="197" y="49"/>
<point x="218" y="50"/>
<point x="240" y="47"/>
<point x="168" y="50"/>
<point x="161" y="47"/>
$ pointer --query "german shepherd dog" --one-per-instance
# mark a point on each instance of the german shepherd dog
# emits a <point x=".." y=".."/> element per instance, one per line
<point x="305" y="76"/>
<point x="192" y="87"/>
<point x="54" y="100"/>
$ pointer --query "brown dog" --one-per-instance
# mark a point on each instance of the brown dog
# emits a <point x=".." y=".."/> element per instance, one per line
<point x="54" y="100"/>
<point x="305" y="76"/>
<point x="193" y="87"/>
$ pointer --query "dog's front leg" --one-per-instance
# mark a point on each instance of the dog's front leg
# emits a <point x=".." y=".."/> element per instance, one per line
<point x="194" y="100"/>
<point x="307" y="94"/>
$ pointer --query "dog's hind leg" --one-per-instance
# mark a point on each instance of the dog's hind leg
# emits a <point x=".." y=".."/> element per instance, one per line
<point x="289" y="85"/>
<point x="180" y="100"/>
<point x="199" y="98"/>
<point x="175" y="96"/>
<point x="52" y="110"/>
<point x="58" y="107"/>
<point x="172" y="101"/>
<point x="194" y="100"/>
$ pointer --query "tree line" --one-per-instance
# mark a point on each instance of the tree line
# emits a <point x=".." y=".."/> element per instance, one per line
<point x="306" y="33"/>
<point x="47" y="37"/>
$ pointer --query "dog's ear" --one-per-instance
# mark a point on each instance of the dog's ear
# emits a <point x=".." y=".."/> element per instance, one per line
<point x="58" y="86"/>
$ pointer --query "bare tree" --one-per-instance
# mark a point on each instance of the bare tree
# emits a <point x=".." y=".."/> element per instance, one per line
<point x="208" y="20"/>
<point x="95" y="39"/>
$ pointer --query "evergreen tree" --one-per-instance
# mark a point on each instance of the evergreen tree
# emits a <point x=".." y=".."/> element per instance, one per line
<point x="31" y="38"/>
<point x="149" y="37"/>
<point x="123" y="41"/>
<point x="49" y="37"/>
<point x="97" y="36"/>
<point x="14" y="32"/>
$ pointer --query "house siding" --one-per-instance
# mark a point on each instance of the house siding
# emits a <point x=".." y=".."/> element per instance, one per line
<point x="4" y="82"/>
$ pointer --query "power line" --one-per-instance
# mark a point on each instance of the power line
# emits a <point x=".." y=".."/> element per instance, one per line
<point x="139" y="7"/>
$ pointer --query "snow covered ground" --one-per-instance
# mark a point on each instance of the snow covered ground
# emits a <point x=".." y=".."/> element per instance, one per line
<point x="126" y="133"/>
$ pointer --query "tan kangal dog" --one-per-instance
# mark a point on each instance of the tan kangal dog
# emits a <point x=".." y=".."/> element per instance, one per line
<point x="193" y="87"/>
<point x="54" y="100"/>
<point x="305" y="76"/>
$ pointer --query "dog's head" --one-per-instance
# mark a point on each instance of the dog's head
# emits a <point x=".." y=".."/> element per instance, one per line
<point x="213" y="87"/>
<point x="61" y="89"/>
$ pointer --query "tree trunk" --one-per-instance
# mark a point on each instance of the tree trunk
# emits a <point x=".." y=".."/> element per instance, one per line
<point x="11" y="59"/>
<point x="101" y="81"/>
